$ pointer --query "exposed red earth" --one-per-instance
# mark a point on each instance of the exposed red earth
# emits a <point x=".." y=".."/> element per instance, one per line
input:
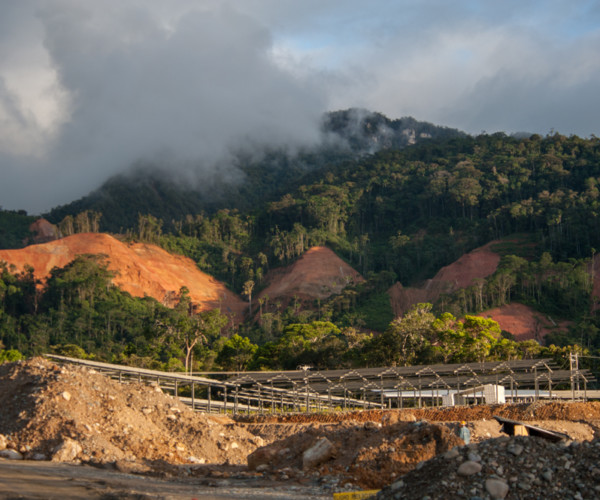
<point x="318" y="274"/>
<point x="141" y="269"/>
<point x="524" y="322"/>
<point x="478" y="264"/>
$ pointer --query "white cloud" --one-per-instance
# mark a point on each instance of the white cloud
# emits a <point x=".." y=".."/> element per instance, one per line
<point x="87" y="88"/>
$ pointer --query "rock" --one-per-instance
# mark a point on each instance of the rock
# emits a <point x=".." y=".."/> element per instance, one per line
<point x="11" y="454"/>
<point x="397" y="485"/>
<point x="66" y="395"/>
<point x="67" y="451"/>
<point x="318" y="453"/>
<point x="193" y="460"/>
<point x="468" y="468"/>
<point x="2" y="441"/>
<point x="234" y="445"/>
<point x="547" y="475"/>
<point x="496" y="488"/>
<point x="262" y="468"/>
<point x="515" y="449"/>
<point x="131" y="467"/>
<point x="450" y="454"/>
<point x="260" y="457"/>
<point x="474" y="457"/>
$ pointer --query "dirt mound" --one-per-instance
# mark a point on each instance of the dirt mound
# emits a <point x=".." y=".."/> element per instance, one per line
<point x="47" y="407"/>
<point x="524" y="322"/>
<point x="574" y="411"/>
<point x="480" y="263"/>
<point x="318" y="274"/>
<point x="366" y="455"/>
<point x="513" y="468"/>
<point x="142" y="269"/>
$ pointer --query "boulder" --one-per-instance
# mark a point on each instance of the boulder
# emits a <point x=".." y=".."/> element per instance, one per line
<point x="497" y="488"/>
<point x="261" y="456"/>
<point x="67" y="451"/>
<point x="469" y="468"/>
<point x="318" y="453"/>
<point x="11" y="454"/>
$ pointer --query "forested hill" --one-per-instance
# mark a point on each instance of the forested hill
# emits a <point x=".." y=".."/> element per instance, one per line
<point x="393" y="215"/>
<point x="250" y="179"/>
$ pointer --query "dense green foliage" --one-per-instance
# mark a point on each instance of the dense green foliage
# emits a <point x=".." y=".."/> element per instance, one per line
<point x="393" y="212"/>
<point x="14" y="228"/>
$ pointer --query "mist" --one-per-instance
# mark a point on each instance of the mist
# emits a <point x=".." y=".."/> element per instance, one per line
<point x="88" y="89"/>
<point x="132" y="85"/>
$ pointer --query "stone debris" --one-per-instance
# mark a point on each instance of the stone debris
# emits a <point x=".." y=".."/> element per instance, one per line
<point x="72" y="414"/>
<point x="540" y="470"/>
<point x="410" y="453"/>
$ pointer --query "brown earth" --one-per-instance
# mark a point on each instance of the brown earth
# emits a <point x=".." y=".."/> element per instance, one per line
<point x="524" y="322"/>
<point x="43" y="231"/>
<point x="318" y="274"/>
<point x="478" y="264"/>
<point x="73" y="414"/>
<point x="45" y="405"/>
<point x="142" y="269"/>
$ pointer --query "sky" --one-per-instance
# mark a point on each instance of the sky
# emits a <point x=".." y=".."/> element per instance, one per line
<point x="89" y="88"/>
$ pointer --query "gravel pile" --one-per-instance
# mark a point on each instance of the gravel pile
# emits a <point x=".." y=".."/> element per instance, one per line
<point x="519" y="467"/>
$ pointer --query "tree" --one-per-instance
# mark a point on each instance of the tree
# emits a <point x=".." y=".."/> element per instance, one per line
<point x="236" y="353"/>
<point x="248" y="287"/>
<point x="405" y="338"/>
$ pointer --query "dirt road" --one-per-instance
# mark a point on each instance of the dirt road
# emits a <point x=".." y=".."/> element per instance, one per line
<point x="56" y="481"/>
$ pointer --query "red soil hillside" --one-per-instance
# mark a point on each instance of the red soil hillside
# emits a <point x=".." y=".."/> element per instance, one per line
<point x="318" y="274"/>
<point x="523" y="322"/>
<point x="479" y="263"/>
<point x="142" y="269"/>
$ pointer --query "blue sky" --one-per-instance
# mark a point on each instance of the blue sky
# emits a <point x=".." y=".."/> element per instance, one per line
<point x="87" y="88"/>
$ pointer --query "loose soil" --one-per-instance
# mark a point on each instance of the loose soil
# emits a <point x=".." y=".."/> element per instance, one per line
<point x="54" y="414"/>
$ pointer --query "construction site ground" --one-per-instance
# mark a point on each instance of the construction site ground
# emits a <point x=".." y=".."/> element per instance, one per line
<point x="69" y="432"/>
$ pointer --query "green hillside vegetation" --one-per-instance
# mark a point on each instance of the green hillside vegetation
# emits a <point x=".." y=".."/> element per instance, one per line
<point x="394" y="214"/>
<point x="14" y="228"/>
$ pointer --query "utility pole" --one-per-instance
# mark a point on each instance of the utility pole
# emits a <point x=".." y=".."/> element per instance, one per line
<point x="574" y="366"/>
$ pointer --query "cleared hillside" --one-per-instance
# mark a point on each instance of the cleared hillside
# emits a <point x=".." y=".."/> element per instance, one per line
<point x="318" y="274"/>
<point x="141" y="269"/>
